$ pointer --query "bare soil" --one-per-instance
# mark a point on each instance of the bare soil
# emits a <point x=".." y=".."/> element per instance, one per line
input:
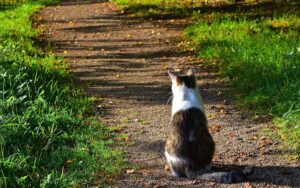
<point x="123" y="61"/>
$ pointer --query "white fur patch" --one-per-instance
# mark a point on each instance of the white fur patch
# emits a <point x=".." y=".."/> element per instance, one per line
<point x="174" y="159"/>
<point x="185" y="98"/>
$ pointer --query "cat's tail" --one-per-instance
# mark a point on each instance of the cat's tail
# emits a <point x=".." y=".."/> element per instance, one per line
<point x="234" y="176"/>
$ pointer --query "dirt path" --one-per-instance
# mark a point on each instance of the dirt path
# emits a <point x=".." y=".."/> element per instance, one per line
<point x="123" y="61"/>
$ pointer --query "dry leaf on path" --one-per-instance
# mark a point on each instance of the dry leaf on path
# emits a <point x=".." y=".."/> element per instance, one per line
<point x="253" y="138"/>
<point x="130" y="171"/>
<point x="217" y="157"/>
<point x="195" y="182"/>
<point x="167" y="167"/>
<point x="231" y="134"/>
<point x="248" y="185"/>
<point x="211" y="183"/>
<point x="216" y="128"/>
<point x="210" y="116"/>
<point x="109" y="180"/>
<point x="126" y="139"/>
<point x="117" y="139"/>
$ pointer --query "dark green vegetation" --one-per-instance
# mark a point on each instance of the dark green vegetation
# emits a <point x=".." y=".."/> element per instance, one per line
<point x="255" y="45"/>
<point x="47" y="138"/>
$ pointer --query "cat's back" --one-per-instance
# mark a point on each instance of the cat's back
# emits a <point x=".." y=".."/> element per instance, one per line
<point x="188" y="128"/>
<point x="192" y="118"/>
<point x="190" y="137"/>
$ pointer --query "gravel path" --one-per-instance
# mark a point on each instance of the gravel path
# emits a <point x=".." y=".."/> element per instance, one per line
<point x="123" y="61"/>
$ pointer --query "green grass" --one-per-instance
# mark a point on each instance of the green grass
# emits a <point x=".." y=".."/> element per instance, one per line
<point x="261" y="56"/>
<point x="257" y="46"/>
<point x="158" y="8"/>
<point x="47" y="138"/>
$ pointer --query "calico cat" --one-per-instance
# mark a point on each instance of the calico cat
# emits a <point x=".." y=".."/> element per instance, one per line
<point x="190" y="147"/>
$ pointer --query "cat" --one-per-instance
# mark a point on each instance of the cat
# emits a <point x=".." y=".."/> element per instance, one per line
<point x="190" y="147"/>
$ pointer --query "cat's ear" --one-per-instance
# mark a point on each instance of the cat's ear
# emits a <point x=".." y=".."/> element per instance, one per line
<point x="172" y="76"/>
<point x="191" y="72"/>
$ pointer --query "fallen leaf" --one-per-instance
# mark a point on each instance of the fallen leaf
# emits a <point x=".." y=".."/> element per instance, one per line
<point x="211" y="183"/>
<point x="253" y="138"/>
<point x="129" y="171"/>
<point x="79" y="116"/>
<point x="293" y="157"/>
<point x="232" y="134"/>
<point x="167" y="167"/>
<point x="97" y="182"/>
<point x="69" y="161"/>
<point x="217" y="157"/>
<point x="195" y="182"/>
<point x="65" y="52"/>
<point x="126" y="139"/>
<point x="265" y="142"/>
<point x="117" y="129"/>
<point x="108" y="180"/>
<point x="117" y="139"/>
<point x="216" y="128"/>
<point x="248" y="185"/>
<point x="262" y="138"/>
<point x="145" y="173"/>
<point x="243" y="154"/>
<point x="210" y="116"/>
<point x="165" y="67"/>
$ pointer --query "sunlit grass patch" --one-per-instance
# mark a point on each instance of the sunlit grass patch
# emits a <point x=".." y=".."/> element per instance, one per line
<point x="262" y="58"/>
<point x="157" y="8"/>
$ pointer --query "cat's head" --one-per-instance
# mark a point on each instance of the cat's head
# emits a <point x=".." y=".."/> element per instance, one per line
<point x="179" y="81"/>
